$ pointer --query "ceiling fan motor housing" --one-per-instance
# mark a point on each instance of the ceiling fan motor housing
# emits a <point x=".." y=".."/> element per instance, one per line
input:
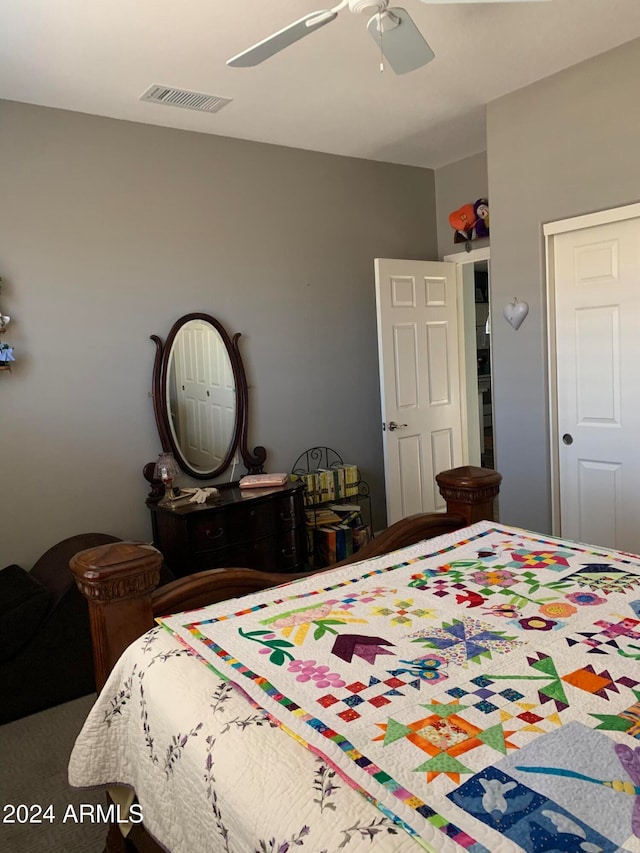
<point x="368" y="7"/>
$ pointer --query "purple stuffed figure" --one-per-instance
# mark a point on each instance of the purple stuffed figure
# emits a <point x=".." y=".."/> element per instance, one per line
<point x="481" y="227"/>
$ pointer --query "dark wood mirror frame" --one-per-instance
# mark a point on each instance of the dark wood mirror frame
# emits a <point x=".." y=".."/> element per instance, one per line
<point x="253" y="460"/>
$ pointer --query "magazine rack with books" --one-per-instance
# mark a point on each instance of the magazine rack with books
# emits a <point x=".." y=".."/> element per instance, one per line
<point x="337" y="505"/>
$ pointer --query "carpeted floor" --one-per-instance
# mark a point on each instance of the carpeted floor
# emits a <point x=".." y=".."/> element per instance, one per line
<point x="34" y="753"/>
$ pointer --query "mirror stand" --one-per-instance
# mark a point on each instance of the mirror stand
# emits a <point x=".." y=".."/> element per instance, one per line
<point x="199" y="368"/>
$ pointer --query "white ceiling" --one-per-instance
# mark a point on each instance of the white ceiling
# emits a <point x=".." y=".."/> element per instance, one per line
<point x="326" y="92"/>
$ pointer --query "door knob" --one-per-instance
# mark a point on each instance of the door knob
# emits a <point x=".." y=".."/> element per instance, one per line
<point x="393" y="426"/>
<point x="568" y="439"/>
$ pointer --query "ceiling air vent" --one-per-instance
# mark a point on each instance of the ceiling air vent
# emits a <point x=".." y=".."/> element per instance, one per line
<point x="183" y="98"/>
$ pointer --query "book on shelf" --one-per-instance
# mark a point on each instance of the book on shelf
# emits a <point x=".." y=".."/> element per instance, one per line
<point x="324" y="546"/>
<point x="352" y="517"/>
<point x="312" y="489"/>
<point x="321" y="517"/>
<point x="345" y="478"/>
<point x="330" y="484"/>
<point x="360" y="536"/>
<point x="332" y="544"/>
<point x="338" y="482"/>
<point x="344" y="542"/>
<point x="351" y="480"/>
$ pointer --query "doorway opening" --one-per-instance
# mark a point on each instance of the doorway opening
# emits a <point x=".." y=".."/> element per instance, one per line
<point x="474" y="291"/>
<point x="483" y="358"/>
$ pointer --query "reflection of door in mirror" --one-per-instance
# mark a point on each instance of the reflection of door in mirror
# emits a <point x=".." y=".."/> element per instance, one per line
<point x="202" y="395"/>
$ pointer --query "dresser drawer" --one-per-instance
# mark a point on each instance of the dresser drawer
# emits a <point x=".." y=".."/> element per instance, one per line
<point x="281" y="514"/>
<point x="264" y="530"/>
<point x="215" y="530"/>
<point x="239" y="523"/>
<point x="270" y="554"/>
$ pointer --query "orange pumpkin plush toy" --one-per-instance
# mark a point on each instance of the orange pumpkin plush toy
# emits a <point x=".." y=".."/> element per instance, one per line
<point x="462" y="221"/>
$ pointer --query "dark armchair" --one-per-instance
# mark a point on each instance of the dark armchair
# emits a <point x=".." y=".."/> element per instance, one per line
<point x="45" y="644"/>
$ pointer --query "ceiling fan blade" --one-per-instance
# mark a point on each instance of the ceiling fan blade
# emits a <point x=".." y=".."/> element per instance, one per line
<point x="283" y="38"/>
<point x="402" y="43"/>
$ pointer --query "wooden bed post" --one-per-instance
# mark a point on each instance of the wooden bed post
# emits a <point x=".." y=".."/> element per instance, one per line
<point x="117" y="581"/>
<point x="470" y="492"/>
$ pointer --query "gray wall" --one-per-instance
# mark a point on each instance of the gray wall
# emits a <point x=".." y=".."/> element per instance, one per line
<point x="110" y="231"/>
<point x="459" y="183"/>
<point x="565" y="146"/>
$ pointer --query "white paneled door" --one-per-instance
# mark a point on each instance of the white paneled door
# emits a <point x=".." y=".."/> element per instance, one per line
<point x="420" y="383"/>
<point x="596" y="278"/>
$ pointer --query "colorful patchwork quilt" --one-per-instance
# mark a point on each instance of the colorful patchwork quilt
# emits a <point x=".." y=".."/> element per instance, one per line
<point x="483" y="689"/>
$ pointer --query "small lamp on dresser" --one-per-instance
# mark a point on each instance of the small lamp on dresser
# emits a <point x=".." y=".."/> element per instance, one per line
<point x="166" y="470"/>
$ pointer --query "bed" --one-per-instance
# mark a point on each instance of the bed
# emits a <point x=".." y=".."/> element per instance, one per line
<point x="461" y="685"/>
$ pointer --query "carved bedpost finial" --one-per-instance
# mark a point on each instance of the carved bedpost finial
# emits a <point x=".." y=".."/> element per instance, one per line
<point x="117" y="580"/>
<point x="470" y="492"/>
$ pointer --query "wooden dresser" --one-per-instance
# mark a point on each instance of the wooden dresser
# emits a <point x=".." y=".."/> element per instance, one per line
<point x="253" y="528"/>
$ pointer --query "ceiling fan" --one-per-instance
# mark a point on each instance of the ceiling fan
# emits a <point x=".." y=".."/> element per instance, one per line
<point x="401" y="43"/>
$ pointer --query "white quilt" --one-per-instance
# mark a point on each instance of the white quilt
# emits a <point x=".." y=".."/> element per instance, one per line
<point x="210" y="771"/>
<point x="483" y="686"/>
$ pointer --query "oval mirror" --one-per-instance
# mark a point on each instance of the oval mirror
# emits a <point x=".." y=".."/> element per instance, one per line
<point x="200" y="392"/>
<point x="200" y="397"/>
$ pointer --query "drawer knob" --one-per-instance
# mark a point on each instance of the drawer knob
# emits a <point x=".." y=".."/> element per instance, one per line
<point x="215" y="535"/>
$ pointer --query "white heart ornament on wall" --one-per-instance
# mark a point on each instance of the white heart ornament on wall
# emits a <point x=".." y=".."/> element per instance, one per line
<point x="515" y="312"/>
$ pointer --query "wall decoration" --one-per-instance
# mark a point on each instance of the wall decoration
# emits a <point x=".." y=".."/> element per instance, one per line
<point x="471" y="221"/>
<point x="6" y="351"/>
<point x="481" y="208"/>
<point x="515" y="312"/>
